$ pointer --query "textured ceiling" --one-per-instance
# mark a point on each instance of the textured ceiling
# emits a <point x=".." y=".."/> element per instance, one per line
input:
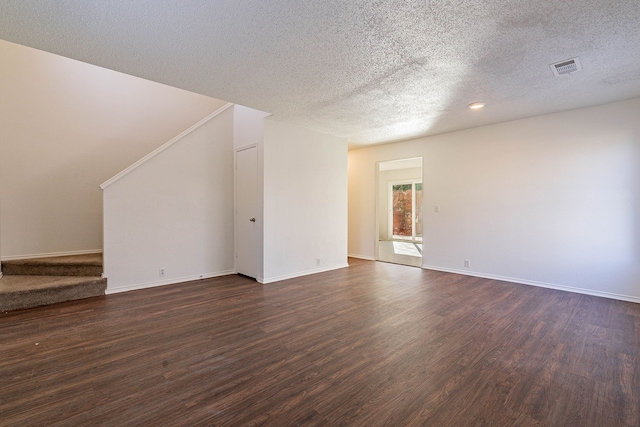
<point x="371" y="71"/>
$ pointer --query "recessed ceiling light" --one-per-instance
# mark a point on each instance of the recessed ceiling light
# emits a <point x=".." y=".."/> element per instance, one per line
<point x="476" y="105"/>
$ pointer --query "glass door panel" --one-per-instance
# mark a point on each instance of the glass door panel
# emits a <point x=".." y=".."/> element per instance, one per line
<point x="402" y="208"/>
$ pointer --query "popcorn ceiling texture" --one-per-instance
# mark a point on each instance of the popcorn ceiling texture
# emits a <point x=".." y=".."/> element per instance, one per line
<point x="371" y="71"/>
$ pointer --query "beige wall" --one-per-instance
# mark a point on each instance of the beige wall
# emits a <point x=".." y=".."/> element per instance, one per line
<point x="305" y="201"/>
<point x="551" y="201"/>
<point x="66" y="127"/>
<point x="173" y="212"/>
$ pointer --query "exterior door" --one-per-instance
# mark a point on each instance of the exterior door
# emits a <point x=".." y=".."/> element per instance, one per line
<point x="405" y="210"/>
<point x="246" y="212"/>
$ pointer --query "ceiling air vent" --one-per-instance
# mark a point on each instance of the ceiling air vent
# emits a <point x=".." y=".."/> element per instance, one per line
<point x="567" y="66"/>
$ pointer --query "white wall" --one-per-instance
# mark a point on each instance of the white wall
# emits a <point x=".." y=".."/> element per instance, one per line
<point x="552" y="200"/>
<point x="305" y="201"/>
<point x="248" y="130"/>
<point x="175" y="212"/>
<point x="248" y="126"/>
<point x="384" y="178"/>
<point x="66" y="127"/>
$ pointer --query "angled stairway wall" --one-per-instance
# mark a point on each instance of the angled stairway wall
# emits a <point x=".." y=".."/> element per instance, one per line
<point x="66" y="127"/>
<point x="173" y="210"/>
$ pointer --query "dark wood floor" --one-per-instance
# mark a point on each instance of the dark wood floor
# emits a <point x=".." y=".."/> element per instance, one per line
<point x="374" y="344"/>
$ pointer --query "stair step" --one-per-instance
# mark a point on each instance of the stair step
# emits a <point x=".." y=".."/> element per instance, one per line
<point x="73" y="265"/>
<point x="18" y="292"/>
<point x="34" y="282"/>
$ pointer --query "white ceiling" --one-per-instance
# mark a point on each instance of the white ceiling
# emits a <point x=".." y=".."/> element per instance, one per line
<point x="371" y="71"/>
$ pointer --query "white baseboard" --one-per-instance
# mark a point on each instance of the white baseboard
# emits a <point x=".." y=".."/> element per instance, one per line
<point x="51" y="254"/>
<point x="302" y="273"/>
<point x="118" y="289"/>
<point x="366" y="257"/>
<point x="583" y="291"/>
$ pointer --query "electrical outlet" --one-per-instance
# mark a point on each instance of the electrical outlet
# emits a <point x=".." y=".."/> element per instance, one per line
<point x="436" y="208"/>
<point x="161" y="272"/>
<point x="317" y="261"/>
<point x="467" y="263"/>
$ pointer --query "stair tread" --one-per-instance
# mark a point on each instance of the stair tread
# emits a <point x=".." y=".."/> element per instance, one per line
<point x="68" y="265"/>
<point x="36" y="282"/>
<point x="85" y="259"/>
<point x="18" y="284"/>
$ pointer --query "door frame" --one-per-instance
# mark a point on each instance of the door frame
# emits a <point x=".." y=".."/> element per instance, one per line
<point x="377" y="201"/>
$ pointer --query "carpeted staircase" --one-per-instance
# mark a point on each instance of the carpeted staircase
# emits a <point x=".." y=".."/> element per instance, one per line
<point x="41" y="281"/>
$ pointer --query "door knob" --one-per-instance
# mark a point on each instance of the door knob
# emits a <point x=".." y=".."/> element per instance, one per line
<point x="252" y="220"/>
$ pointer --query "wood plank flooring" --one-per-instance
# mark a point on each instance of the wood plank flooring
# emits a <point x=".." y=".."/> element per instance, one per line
<point x="375" y="344"/>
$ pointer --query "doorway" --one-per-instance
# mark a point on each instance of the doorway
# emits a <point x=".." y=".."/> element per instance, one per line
<point x="399" y="211"/>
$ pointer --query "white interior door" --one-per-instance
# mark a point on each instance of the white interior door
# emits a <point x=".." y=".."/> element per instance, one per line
<point x="246" y="212"/>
